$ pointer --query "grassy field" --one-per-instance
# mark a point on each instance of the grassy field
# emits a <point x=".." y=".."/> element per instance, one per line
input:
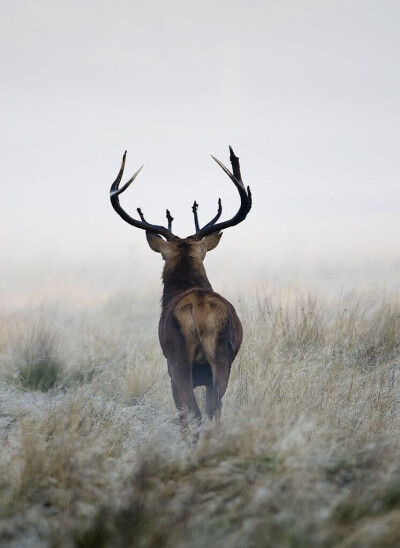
<point x="307" y="454"/>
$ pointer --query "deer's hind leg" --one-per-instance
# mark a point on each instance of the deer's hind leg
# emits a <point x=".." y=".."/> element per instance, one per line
<point x="209" y="401"/>
<point x="182" y="390"/>
<point x="220" y="360"/>
<point x="220" y="370"/>
<point x="180" y="406"/>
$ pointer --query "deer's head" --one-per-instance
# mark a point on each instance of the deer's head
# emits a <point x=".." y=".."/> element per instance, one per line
<point x="162" y="240"/>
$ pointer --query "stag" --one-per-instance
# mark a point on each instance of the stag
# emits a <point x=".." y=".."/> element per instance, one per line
<point x="199" y="331"/>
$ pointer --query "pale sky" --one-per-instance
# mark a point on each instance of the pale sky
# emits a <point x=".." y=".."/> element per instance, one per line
<point x="306" y="92"/>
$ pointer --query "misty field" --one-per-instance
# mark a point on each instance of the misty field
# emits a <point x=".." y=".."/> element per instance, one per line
<point x="307" y="453"/>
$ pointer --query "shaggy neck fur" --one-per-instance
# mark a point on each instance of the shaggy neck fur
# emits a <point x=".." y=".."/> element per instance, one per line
<point x="185" y="274"/>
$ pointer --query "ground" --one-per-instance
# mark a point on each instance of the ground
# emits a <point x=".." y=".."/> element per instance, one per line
<point x="307" y="452"/>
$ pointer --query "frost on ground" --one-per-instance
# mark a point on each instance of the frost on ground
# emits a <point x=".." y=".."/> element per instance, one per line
<point x="307" y="453"/>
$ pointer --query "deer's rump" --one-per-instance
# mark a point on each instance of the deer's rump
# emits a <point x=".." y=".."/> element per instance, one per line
<point x="202" y="326"/>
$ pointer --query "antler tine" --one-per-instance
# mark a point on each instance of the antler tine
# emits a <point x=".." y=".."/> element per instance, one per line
<point x="196" y="219"/>
<point x="115" y="191"/>
<point x="245" y="200"/>
<point x="218" y="215"/>
<point x="141" y="215"/>
<point x="170" y="219"/>
<point x="250" y="199"/>
<point x="236" y="176"/>
<point x="235" y="164"/>
<point x="168" y="216"/>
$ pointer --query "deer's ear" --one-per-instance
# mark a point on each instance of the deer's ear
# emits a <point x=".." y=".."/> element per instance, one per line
<point x="212" y="240"/>
<point x="155" y="242"/>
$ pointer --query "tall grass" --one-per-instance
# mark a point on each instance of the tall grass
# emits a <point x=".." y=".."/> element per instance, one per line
<point x="307" y="453"/>
<point x="34" y="347"/>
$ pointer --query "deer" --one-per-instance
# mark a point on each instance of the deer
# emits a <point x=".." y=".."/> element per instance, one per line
<point x="199" y="331"/>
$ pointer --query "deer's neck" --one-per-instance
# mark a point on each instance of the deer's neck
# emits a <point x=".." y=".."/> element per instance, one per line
<point x="184" y="275"/>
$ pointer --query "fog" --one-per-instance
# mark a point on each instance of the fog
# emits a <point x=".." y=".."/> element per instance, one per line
<point x="306" y="93"/>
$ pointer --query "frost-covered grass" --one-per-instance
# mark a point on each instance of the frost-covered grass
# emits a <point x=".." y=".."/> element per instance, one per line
<point x="307" y="454"/>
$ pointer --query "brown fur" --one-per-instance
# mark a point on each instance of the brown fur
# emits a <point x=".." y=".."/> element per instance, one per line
<point x="200" y="333"/>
